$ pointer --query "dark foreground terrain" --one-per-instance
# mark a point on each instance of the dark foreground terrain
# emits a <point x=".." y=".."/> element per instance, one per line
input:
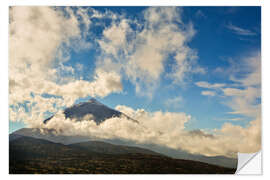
<point x="29" y="155"/>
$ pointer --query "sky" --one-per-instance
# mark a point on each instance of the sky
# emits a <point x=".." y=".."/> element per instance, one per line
<point x="190" y="72"/>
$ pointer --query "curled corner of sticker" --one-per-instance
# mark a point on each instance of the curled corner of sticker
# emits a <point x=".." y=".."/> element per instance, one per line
<point x="249" y="163"/>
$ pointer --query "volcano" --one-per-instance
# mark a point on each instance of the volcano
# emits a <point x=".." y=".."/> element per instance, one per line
<point x="98" y="112"/>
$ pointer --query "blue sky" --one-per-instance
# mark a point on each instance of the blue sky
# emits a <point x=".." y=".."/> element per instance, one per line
<point x="215" y="44"/>
<point x="201" y="61"/>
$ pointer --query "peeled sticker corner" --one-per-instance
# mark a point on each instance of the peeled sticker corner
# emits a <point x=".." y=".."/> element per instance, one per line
<point x="249" y="164"/>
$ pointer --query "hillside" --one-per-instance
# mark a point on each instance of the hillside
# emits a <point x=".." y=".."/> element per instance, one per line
<point x="108" y="148"/>
<point x="29" y="155"/>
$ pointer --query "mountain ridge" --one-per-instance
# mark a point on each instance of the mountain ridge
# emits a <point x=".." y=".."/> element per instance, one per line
<point x="29" y="155"/>
<point x="69" y="140"/>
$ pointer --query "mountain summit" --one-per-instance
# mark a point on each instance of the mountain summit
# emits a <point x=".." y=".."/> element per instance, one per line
<point x="92" y="107"/>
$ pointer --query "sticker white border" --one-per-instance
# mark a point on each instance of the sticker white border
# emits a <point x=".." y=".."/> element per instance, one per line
<point x="4" y="73"/>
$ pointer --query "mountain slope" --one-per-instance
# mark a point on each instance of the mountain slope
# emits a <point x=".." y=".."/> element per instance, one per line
<point x="180" y="154"/>
<point x="29" y="155"/>
<point x="108" y="148"/>
<point x="98" y="112"/>
<point x="28" y="148"/>
<point x="50" y="135"/>
<point x="44" y="147"/>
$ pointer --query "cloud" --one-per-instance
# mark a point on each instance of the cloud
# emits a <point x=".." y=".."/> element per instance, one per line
<point x="174" y="121"/>
<point x="249" y="137"/>
<point x="79" y="66"/>
<point x="235" y="119"/>
<point x="164" y="129"/>
<point x="104" y="83"/>
<point x="175" y="102"/>
<point x="140" y="50"/>
<point x="200" y="133"/>
<point x="214" y="87"/>
<point x="208" y="93"/>
<point x="121" y="127"/>
<point x="252" y="70"/>
<point x="240" y="31"/>
<point x="244" y="98"/>
<point x="37" y="37"/>
<point x="244" y="93"/>
<point x="31" y="113"/>
<point x="39" y="46"/>
<point x="204" y="84"/>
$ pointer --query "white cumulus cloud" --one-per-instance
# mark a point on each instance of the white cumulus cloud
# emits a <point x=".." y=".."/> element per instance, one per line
<point x="141" y="52"/>
<point x="40" y="42"/>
